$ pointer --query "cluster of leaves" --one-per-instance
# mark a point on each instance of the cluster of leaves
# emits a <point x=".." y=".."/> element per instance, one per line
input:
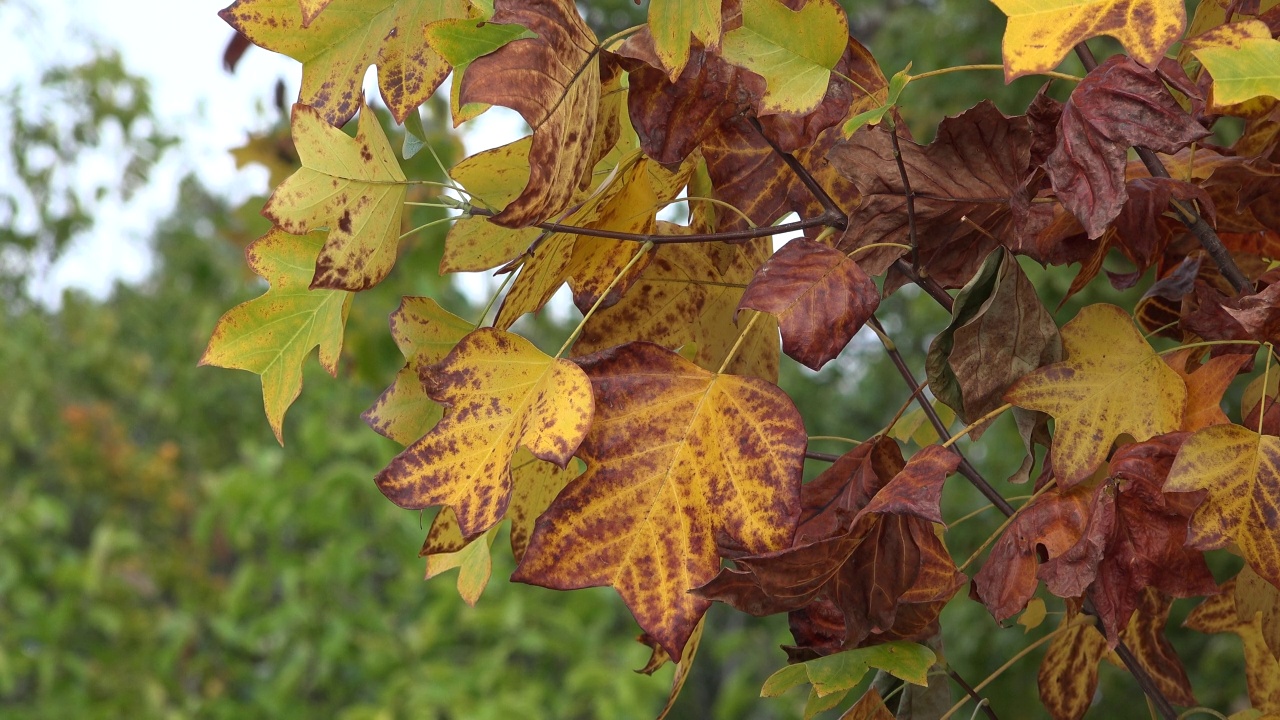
<point x="656" y="443"/>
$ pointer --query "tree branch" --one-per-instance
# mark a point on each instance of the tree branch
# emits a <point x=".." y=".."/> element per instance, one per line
<point x="815" y="188"/>
<point x="966" y="468"/>
<point x="1187" y="213"/>
<point x="982" y="702"/>
<point x="906" y="193"/>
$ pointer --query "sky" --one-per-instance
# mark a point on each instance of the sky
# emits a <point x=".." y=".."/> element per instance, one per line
<point x="177" y="45"/>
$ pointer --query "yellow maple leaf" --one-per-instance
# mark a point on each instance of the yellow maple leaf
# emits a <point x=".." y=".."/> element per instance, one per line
<point x="272" y="335"/>
<point x="1244" y="60"/>
<point x="352" y="186"/>
<point x="672" y="22"/>
<point x="676" y="457"/>
<point x="492" y="178"/>
<point x="1111" y="382"/>
<point x="501" y="393"/>
<point x="338" y="45"/>
<point x="1240" y="472"/>
<point x="1041" y="32"/>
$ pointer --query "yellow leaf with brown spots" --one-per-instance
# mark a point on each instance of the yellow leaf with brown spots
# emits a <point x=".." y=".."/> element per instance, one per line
<point x="1068" y="674"/>
<point x="1218" y="614"/>
<point x="683" y="298"/>
<point x="1255" y="595"/>
<point x="337" y="46"/>
<point x="1040" y="33"/>
<point x="1244" y="60"/>
<point x="553" y="81"/>
<point x="676" y="458"/>
<point x="672" y="23"/>
<point x="273" y="334"/>
<point x="1112" y="382"/>
<point x="501" y="393"/>
<point x="352" y="186"/>
<point x="1240" y="472"/>
<point x="425" y="333"/>
<point x="492" y="178"/>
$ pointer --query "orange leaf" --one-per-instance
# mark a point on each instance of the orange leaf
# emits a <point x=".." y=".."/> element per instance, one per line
<point x="1205" y="386"/>
<point x="676" y="457"/>
<point x="1112" y="382"/>
<point x="502" y="392"/>
<point x="1240" y="472"/>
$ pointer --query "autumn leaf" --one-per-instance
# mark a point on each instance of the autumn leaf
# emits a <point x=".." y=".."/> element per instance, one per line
<point x="425" y="333"/>
<point x="820" y="296"/>
<point x="353" y="187"/>
<point x="906" y="661"/>
<point x="1205" y="386"/>
<point x="1243" y="58"/>
<point x="492" y="178"/>
<point x="460" y="41"/>
<point x="473" y="562"/>
<point x="337" y="46"/>
<point x="1255" y="596"/>
<point x="661" y="486"/>
<point x="1119" y="104"/>
<point x="1068" y="674"/>
<point x="553" y="81"/>
<point x="1218" y="614"/>
<point x="869" y="707"/>
<point x="794" y="51"/>
<point x="969" y="186"/>
<point x="1238" y="470"/>
<point x="1145" y="637"/>
<point x="272" y="335"/>
<point x="1112" y="382"/>
<point x="1040" y="33"/>
<point x="999" y="332"/>
<point x="683" y="298"/>
<point x="501" y="393"/>
<point x="673" y="22"/>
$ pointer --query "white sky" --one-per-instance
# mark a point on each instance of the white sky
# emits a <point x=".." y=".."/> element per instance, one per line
<point x="177" y="45"/>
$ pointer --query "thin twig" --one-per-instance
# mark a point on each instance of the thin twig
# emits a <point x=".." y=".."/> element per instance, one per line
<point x="982" y="702"/>
<point x="819" y="193"/>
<point x="656" y="239"/>
<point x="911" y="198"/>
<point x="966" y="468"/>
<point x="1187" y="213"/>
<point x="824" y="457"/>
<point x="926" y="283"/>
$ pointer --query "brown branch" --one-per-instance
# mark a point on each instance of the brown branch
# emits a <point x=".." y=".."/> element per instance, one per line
<point x="910" y="197"/>
<point x="824" y="457"/>
<point x="926" y="283"/>
<point x="656" y="239"/>
<point x="982" y="702"/>
<point x="1146" y="682"/>
<point x="1187" y="213"/>
<point x="966" y="468"/>
<point x="815" y="188"/>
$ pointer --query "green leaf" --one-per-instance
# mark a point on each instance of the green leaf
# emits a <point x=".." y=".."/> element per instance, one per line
<point x="875" y="115"/>
<point x="794" y="51"/>
<point x="272" y="335"/>
<point x="907" y="661"/>
<point x="415" y="136"/>
<point x="1244" y="60"/>
<point x="462" y="40"/>
<point x="672" y="22"/>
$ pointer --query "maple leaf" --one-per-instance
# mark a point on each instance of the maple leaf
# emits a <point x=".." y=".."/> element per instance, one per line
<point x="338" y="46"/>
<point x="1242" y="57"/>
<point x="1205" y="386"/>
<point x="1145" y="636"/>
<point x="672" y="22"/>
<point x="1255" y="596"/>
<point x="969" y="187"/>
<point x="999" y="332"/>
<point x="492" y="178"/>
<point x="1238" y="470"/>
<point x="460" y="41"/>
<point x="553" y="81"/>
<point x="682" y="297"/>
<point x="425" y="333"/>
<point x="1068" y="673"/>
<point x="1118" y="105"/>
<point x="501" y="392"/>
<point x="1112" y="382"/>
<point x="820" y="296"/>
<point x="1218" y="614"/>
<point x="352" y="186"/>
<point x="1040" y="34"/>
<point x="662" y="484"/>
<point x="272" y="335"/>
<point x="794" y="51"/>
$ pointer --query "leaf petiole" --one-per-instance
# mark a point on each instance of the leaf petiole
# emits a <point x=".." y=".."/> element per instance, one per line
<point x="645" y="248"/>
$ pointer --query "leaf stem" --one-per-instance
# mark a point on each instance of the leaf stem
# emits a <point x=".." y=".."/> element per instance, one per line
<point x="494" y="299"/>
<point x="656" y="239"/>
<point x="600" y="300"/>
<point x="738" y="343"/>
<point x="620" y="35"/>
<point x="714" y="201"/>
<point x="960" y="68"/>
<point x="966" y="468"/>
<point x="970" y="427"/>
<point x="1077" y="620"/>
<point x="836" y="438"/>
<point x="437" y="221"/>
<point x="872" y="246"/>
<point x="983" y="703"/>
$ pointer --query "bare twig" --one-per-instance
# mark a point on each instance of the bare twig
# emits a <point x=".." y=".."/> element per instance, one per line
<point x="910" y="196"/>
<point x="815" y="188"/>
<point x="1187" y="213"/>
<point x="982" y="702"/>
<point x="824" y="457"/>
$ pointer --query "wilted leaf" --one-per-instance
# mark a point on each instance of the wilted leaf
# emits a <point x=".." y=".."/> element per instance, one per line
<point x="272" y="335"/>
<point x="1262" y="670"/>
<point x="662" y="483"/>
<point x="460" y="41"/>
<point x="794" y="51"/>
<point x="820" y="296"/>
<point x="1254" y="595"/>
<point x="1112" y="382"/>
<point x="1240" y="472"/>
<point x="425" y="333"/>
<point x="673" y="22"/>
<point x="1244" y="59"/>
<point x="553" y="81"/>
<point x="502" y="392"/>
<point x="1145" y="637"/>
<point x="1040" y="33"/>
<point x="353" y="187"/>
<point x="338" y="46"/>
<point x="1069" y="672"/>
<point x="909" y="662"/>
<point x="869" y="707"/>
<point x="1119" y="104"/>
<point x="1205" y="386"/>
<point x="999" y="332"/>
